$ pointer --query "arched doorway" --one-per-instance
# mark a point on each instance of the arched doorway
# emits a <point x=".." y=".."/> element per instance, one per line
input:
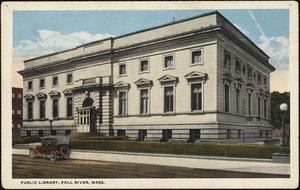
<point x="86" y="116"/>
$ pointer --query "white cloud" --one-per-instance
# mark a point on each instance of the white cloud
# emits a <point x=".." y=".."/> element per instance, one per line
<point x="278" y="50"/>
<point x="50" y="41"/>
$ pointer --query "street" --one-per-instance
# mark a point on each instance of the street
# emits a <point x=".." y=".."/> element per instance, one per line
<point x="24" y="167"/>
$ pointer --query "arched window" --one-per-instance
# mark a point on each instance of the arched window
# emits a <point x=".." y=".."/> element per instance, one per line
<point x="88" y="102"/>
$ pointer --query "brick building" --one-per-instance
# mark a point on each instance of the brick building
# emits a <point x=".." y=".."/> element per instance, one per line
<point x="17" y="109"/>
<point x="198" y="79"/>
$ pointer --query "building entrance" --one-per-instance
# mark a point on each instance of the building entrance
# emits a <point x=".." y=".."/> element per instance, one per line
<point x="84" y="121"/>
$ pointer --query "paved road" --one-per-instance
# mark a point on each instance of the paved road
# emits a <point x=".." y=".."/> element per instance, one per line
<point x="24" y="167"/>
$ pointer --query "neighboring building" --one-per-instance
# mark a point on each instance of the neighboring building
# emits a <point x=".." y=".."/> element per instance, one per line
<point x="198" y="79"/>
<point x="17" y="109"/>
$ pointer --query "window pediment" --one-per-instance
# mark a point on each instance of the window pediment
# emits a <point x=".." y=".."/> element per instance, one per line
<point x="41" y="95"/>
<point x="122" y="85"/>
<point x="54" y="93"/>
<point x="29" y="97"/>
<point x="250" y="88"/>
<point x="67" y="92"/>
<point x="239" y="83"/>
<point x="227" y="78"/>
<point x="196" y="76"/>
<point x="143" y="82"/>
<point x="168" y="79"/>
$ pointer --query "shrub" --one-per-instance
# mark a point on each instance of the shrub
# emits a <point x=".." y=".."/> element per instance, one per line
<point x="26" y="139"/>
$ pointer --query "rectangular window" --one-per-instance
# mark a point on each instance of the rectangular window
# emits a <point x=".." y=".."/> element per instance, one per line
<point x="55" y="81"/>
<point x="142" y="135"/>
<point x="166" y="135"/>
<point x="226" y="96"/>
<point x="20" y="98"/>
<point x="13" y="97"/>
<point x="122" y="69"/>
<point x="42" y="83"/>
<point x="249" y="72"/>
<point x="53" y="132"/>
<point x="265" y="82"/>
<point x="238" y="67"/>
<point x="258" y="78"/>
<point x="168" y="62"/>
<point x="249" y="104"/>
<point x="67" y="132"/>
<point x="228" y="133"/>
<point x="267" y="134"/>
<point x="41" y="133"/>
<point x="239" y="133"/>
<point x="169" y="99"/>
<point x="227" y="59"/>
<point x="19" y="114"/>
<point x="196" y="96"/>
<point x="122" y="103"/>
<point x="28" y="133"/>
<point x="69" y="78"/>
<point x="258" y="106"/>
<point x="70" y="107"/>
<point x="144" y="66"/>
<point x="42" y="109"/>
<point x="30" y="110"/>
<point x="144" y="101"/>
<point x="265" y="108"/>
<point x="195" y="134"/>
<point x="237" y="100"/>
<point x="55" y="108"/>
<point x="30" y="87"/>
<point x="196" y="57"/>
<point x="121" y="132"/>
<point x="260" y="133"/>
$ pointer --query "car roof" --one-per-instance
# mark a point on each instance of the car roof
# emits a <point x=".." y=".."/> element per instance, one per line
<point x="59" y="139"/>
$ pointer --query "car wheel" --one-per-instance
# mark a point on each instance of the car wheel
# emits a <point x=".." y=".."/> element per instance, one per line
<point x="64" y="152"/>
<point x="31" y="153"/>
<point x="52" y="155"/>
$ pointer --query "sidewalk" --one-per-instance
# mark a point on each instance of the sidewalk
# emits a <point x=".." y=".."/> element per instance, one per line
<point x="199" y="162"/>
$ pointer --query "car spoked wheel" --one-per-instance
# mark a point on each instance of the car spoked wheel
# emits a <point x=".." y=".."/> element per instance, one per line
<point x="31" y="153"/>
<point x="52" y="155"/>
<point x="64" y="152"/>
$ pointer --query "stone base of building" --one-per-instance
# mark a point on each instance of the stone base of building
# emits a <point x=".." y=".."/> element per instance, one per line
<point x="281" y="157"/>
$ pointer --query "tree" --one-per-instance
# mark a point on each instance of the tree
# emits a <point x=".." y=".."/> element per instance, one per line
<point x="278" y="98"/>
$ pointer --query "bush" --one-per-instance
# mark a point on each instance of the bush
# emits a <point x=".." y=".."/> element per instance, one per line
<point x="204" y="149"/>
<point x="26" y="139"/>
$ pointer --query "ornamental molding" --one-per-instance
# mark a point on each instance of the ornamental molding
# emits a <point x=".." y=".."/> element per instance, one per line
<point x="54" y="94"/>
<point x="227" y="78"/>
<point x="238" y="83"/>
<point x="67" y="92"/>
<point x="29" y="97"/>
<point x="143" y="82"/>
<point x="41" y="95"/>
<point x="122" y="85"/>
<point x="196" y="76"/>
<point x="250" y="88"/>
<point x="168" y="79"/>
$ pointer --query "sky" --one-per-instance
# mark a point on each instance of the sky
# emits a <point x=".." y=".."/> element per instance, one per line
<point x="38" y="33"/>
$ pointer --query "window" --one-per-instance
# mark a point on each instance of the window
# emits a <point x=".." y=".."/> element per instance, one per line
<point x="169" y="99"/>
<point x="228" y="133"/>
<point x="194" y="134"/>
<point x="258" y="106"/>
<point x="142" y="135"/>
<point x="69" y="78"/>
<point x="41" y="133"/>
<point x="67" y="132"/>
<point x="249" y="104"/>
<point x="53" y="132"/>
<point x="239" y="133"/>
<point x="30" y="87"/>
<point x="259" y="78"/>
<point x="55" y="108"/>
<point x="144" y="101"/>
<point x="166" y="135"/>
<point x="28" y="133"/>
<point x="55" y="81"/>
<point x="226" y="96"/>
<point x="265" y="82"/>
<point x="227" y="59"/>
<point x="19" y="114"/>
<point x="122" y="69"/>
<point x="238" y="67"/>
<point x="249" y="72"/>
<point x="260" y="133"/>
<point x="30" y="110"/>
<point x="13" y="97"/>
<point x="69" y="106"/>
<point x="168" y="62"/>
<point x="237" y="100"/>
<point x="267" y="134"/>
<point x="196" y="96"/>
<point x="20" y="98"/>
<point x="121" y="132"/>
<point x="42" y="83"/>
<point x="144" y="66"/>
<point x="122" y="103"/>
<point x="265" y="108"/>
<point x="196" y="57"/>
<point x="42" y="109"/>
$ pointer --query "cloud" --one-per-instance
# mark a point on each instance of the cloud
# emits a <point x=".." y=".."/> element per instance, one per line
<point x="49" y="41"/>
<point x="278" y="50"/>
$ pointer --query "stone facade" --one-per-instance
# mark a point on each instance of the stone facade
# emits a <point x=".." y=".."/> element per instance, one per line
<point x="198" y="79"/>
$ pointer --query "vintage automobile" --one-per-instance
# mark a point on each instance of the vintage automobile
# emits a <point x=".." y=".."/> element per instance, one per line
<point x="52" y="147"/>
